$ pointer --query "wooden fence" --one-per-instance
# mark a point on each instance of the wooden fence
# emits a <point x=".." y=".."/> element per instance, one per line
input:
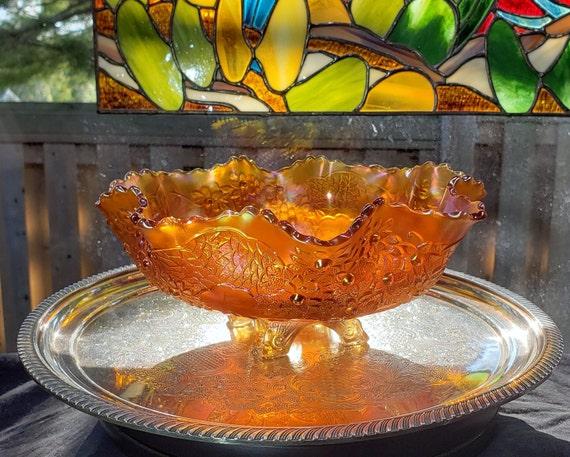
<point x="56" y="159"/>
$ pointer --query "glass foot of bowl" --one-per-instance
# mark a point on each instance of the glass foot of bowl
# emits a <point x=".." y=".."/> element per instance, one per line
<point x="273" y="338"/>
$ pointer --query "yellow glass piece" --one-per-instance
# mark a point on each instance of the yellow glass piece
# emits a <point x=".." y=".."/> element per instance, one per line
<point x="281" y="50"/>
<point x="376" y="15"/>
<point x="328" y="12"/>
<point x="204" y="3"/>
<point x="340" y="87"/>
<point x="233" y="52"/>
<point x="403" y="91"/>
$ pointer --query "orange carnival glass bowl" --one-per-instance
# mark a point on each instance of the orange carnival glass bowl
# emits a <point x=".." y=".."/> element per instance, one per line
<point x="317" y="241"/>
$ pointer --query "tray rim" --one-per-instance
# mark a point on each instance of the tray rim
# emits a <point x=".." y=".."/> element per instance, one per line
<point x="284" y="436"/>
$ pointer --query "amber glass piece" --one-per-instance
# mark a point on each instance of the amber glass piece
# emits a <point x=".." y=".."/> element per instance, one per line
<point x="559" y="27"/>
<point x="233" y="52"/>
<point x="318" y="241"/>
<point x="115" y="96"/>
<point x="207" y="16"/>
<point x="459" y="98"/>
<point x="281" y="49"/>
<point x="256" y="83"/>
<point x="201" y="107"/>
<point x="328" y="12"/>
<point x="252" y="36"/>
<point x="546" y="103"/>
<point x="105" y="23"/>
<point x="402" y="91"/>
<point x="345" y="49"/>
<point x="161" y="14"/>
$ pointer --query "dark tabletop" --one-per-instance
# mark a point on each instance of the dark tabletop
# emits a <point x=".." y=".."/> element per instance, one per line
<point x="33" y="423"/>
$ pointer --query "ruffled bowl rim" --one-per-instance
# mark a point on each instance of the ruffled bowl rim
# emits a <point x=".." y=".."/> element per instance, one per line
<point x="367" y="210"/>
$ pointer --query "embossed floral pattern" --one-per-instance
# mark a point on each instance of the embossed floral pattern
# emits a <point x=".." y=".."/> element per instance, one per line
<point x="319" y="240"/>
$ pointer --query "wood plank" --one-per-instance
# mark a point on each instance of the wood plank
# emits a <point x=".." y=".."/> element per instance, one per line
<point x="13" y="243"/>
<point x="517" y="232"/>
<point x="140" y="157"/>
<point x="391" y="157"/>
<point x="80" y="123"/>
<point x="457" y="147"/>
<point x="2" y="335"/>
<point x="557" y="285"/>
<point x="170" y="158"/>
<point x="480" y="243"/>
<point x="37" y="225"/>
<point x="113" y="161"/>
<point x="216" y="155"/>
<point x="60" y="168"/>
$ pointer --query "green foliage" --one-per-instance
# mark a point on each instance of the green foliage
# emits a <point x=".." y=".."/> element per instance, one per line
<point x="514" y="81"/>
<point x="194" y="53"/>
<point x="472" y="13"/>
<point x="558" y="78"/>
<point x="427" y="26"/>
<point x="47" y="51"/>
<point x="148" y="56"/>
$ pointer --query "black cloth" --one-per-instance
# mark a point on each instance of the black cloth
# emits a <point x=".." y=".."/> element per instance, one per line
<point x="33" y="423"/>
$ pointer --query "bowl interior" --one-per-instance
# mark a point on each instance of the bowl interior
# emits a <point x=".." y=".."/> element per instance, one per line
<point x="318" y="197"/>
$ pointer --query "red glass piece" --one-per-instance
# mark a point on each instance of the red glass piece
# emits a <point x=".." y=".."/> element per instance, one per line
<point x="520" y="7"/>
<point x="486" y="24"/>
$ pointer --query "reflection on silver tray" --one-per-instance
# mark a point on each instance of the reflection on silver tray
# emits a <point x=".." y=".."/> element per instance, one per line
<point x="116" y="348"/>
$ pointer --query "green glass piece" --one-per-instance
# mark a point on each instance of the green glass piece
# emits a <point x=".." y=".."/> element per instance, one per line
<point x="472" y="13"/>
<point x="113" y="3"/>
<point x="514" y="81"/>
<point x="194" y="53"/>
<point x="338" y="87"/>
<point x="558" y="79"/>
<point x="376" y="15"/>
<point x="427" y="26"/>
<point x="148" y="57"/>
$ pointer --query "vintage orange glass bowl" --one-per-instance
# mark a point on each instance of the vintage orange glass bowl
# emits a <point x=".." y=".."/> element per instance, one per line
<point x="317" y="241"/>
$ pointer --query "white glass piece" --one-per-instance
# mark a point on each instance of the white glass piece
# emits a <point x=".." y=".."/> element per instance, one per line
<point x="544" y="56"/>
<point x="117" y="72"/>
<point x="374" y="76"/>
<point x="313" y="63"/>
<point x="473" y="74"/>
<point x="240" y="102"/>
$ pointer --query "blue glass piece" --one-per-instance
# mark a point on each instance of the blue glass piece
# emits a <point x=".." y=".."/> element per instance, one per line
<point x="531" y="23"/>
<point x="255" y="66"/>
<point x="256" y="13"/>
<point x="248" y="10"/>
<point x="553" y="9"/>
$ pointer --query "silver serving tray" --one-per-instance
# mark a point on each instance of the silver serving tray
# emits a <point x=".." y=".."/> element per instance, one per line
<point x="174" y="377"/>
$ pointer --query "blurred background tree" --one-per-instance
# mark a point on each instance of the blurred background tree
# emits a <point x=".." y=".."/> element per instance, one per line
<point x="47" y="52"/>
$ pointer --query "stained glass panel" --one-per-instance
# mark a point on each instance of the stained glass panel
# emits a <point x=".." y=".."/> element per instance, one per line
<point x="316" y="56"/>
